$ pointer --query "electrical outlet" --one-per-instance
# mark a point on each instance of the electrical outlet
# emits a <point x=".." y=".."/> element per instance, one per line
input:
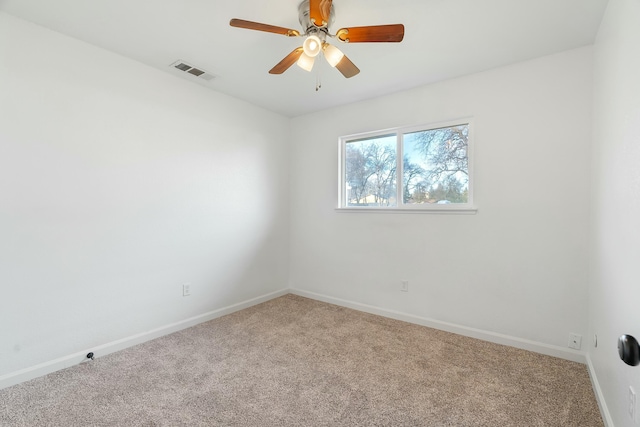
<point x="404" y="287"/>
<point x="186" y="289"/>
<point x="575" y="341"/>
<point x="632" y="404"/>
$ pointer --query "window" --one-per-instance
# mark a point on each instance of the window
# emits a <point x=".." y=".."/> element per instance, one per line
<point x="419" y="168"/>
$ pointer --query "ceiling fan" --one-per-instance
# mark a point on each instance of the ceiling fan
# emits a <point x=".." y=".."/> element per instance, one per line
<point x="316" y="16"/>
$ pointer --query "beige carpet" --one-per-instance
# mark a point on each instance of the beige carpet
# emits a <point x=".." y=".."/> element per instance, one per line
<point x="293" y="361"/>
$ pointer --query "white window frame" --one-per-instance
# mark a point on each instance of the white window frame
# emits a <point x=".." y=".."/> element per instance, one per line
<point x="463" y="208"/>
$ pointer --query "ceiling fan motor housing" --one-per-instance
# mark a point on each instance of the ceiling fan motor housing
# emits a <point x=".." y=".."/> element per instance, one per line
<point x="315" y="23"/>
<point x="307" y="25"/>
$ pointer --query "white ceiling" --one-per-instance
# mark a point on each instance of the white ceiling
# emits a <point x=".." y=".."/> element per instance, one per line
<point x="443" y="39"/>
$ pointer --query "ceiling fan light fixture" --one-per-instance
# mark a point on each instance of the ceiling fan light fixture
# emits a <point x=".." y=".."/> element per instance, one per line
<point x="316" y="18"/>
<point x="332" y="54"/>
<point x="312" y="46"/>
<point x="305" y="62"/>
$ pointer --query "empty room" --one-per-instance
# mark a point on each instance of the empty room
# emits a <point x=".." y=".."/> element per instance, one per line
<point x="320" y="213"/>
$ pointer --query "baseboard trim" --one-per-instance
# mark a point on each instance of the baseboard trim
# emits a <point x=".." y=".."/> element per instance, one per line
<point x="45" y="368"/>
<point x="602" y="404"/>
<point x="537" y="347"/>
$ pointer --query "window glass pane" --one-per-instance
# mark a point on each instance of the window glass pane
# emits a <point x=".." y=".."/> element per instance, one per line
<point x="435" y="166"/>
<point x="370" y="171"/>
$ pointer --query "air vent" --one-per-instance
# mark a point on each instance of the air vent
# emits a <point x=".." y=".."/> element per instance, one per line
<point x="188" y="68"/>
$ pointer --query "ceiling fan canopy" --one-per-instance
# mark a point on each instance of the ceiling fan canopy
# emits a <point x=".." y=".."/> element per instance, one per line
<point x="316" y="17"/>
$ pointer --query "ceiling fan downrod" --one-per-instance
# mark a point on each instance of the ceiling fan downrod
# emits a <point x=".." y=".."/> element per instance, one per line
<point x="316" y="16"/>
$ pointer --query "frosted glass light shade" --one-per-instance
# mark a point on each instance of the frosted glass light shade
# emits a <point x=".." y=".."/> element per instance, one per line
<point x="305" y="62"/>
<point x="332" y="54"/>
<point x="312" y="46"/>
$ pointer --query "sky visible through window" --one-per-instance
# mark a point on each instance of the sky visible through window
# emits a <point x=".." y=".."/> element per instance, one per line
<point x="434" y="168"/>
<point x="371" y="171"/>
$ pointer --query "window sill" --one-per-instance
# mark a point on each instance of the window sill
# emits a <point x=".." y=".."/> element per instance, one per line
<point x="467" y="210"/>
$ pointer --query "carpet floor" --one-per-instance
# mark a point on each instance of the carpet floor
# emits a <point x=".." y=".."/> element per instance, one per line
<point x="293" y="361"/>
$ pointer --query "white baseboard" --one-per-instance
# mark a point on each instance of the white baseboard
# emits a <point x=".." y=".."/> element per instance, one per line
<point x="45" y="368"/>
<point x="604" y="410"/>
<point x="537" y="347"/>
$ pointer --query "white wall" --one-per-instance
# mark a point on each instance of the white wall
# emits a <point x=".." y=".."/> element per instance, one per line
<point x="519" y="266"/>
<point x="118" y="183"/>
<point x="615" y="284"/>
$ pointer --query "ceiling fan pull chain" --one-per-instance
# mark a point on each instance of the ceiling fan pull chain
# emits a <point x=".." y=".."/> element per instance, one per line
<point x="318" y="79"/>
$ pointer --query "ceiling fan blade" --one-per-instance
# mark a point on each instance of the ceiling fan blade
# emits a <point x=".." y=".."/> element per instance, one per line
<point x="375" y="33"/>
<point x="287" y="62"/>
<point x="249" y="25"/>
<point x="347" y="68"/>
<point x="319" y="12"/>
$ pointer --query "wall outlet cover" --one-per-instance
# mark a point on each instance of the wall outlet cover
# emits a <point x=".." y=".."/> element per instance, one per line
<point x="575" y="341"/>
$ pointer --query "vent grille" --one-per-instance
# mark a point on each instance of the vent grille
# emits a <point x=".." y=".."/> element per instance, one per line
<point x="188" y="68"/>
